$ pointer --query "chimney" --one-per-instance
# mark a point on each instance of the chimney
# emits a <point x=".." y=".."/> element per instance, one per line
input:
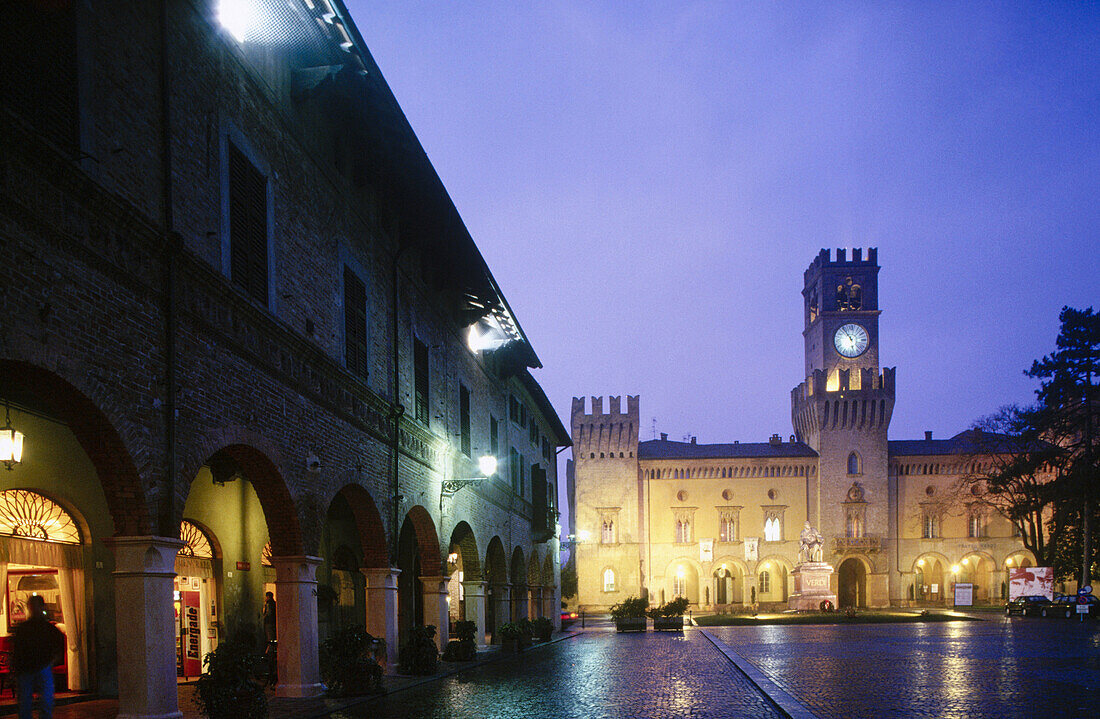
<point x="927" y="434"/>
<point x="693" y="440"/>
<point x="775" y="439"/>
<point x="792" y="439"/>
<point x="664" y="436"/>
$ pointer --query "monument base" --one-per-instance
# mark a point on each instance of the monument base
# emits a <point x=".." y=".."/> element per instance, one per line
<point x="811" y="587"/>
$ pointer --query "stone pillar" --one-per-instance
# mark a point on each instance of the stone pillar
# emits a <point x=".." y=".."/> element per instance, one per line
<point x="534" y="610"/>
<point x="296" y="626"/>
<point x="502" y="606"/>
<point x="548" y="609"/>
<point x="436" y="608"/>
<point x="382" y="608"/>
<point x="474" y="591"/>
<point x="146" y="655"/>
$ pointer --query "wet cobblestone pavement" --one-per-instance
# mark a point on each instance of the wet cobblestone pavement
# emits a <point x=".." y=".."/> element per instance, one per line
<point x="1000" y="668"/>
<point x="595" y="675"/>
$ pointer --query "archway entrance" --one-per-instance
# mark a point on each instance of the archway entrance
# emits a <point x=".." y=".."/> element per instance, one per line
<point x="978" y="569"/>
<point x="417" y="556"/>
<point x="852" y="581"/>
<point x="683" y="581"/>
<point x="196" y="600"/>
<point x="928" y="584"/>
<point x="727" y="583"/>
<point x="519" y="585"/>
<point x="496" y="575"/>
<point x="771" y="581"/>
<point x="464" y="566"/>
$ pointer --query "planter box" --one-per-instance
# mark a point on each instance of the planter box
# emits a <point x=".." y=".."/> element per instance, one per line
<point x="511" y="646"/>
<point x="669" y="624"/>
<point x="544" y="637"/>
<point x="631" y="624"/>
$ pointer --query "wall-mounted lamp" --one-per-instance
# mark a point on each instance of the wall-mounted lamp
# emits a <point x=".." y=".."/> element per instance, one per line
<point x="11" y="441"/>
<point x="487" y="464"/>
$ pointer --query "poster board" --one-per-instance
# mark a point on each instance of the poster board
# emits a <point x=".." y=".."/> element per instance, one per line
<point x="1031" y="581"/>
<point x="964" y="594"/>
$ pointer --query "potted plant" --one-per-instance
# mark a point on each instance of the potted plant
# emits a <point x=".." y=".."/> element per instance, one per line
<point x="526" y="632"/>
<point x="511" y="638"/>
<point x="670" y="615"/>
<point x="463" y="647"/>
<point x="348" y="663"/>
<point x="629" y="614"/>
<point x="543" y="629"/>
<point x="419" y="655"/>
<point x="230" y="688"/>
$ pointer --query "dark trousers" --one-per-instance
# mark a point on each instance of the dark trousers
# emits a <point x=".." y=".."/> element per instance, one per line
<point x="30" y="682"/>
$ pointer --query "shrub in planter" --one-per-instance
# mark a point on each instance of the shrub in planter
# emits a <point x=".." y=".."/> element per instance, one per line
<point x="348" y="663"/>
<point x="419" y="655"/>
<point x="669" y="615"/>
<point x="463" y="647"/>
<point x="543" y="629"/>
<point x="229" y="688"/>
<point x="511" y="637"/>
<point x="629" y="614"/>
<point x="526" y="631"/>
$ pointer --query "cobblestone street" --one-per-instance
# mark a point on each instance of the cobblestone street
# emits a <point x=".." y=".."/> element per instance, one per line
<point x="1000" y="668"/>
<point x="595" y="675"/>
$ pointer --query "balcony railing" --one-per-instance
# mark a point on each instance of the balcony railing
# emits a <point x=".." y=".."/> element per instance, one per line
<point x="857" y="544"/>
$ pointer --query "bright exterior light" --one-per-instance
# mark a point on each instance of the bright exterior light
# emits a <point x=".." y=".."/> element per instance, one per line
<point x="583" y="535"/>
<point x="487" y="463"/>
<point x="1008" y="562"/>
<point x="920" y="562"/>
<point x="11" y="443"/>
<point x="452" y="558"/>
<point x="965" y="561"/>
<point x="236" y="17"/>
<point x="955" y="569"/>
<point x="680" y="573"/>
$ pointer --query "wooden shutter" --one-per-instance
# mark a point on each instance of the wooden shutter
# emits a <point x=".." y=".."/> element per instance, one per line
<point x="247" y="226"/>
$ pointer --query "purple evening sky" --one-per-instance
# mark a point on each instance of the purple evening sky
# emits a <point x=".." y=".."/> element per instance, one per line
<point x="648" y="182"/>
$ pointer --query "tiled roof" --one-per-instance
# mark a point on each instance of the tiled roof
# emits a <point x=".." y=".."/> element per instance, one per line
<point x="664" y="449"/>
<point x="967" y="442"/>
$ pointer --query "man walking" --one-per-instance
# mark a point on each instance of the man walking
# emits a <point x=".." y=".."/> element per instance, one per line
<point x="36" y="647"/>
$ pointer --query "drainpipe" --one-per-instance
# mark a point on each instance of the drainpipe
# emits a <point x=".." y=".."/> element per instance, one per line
<point x="168" y="279"/>
<point x="396" y="413"/>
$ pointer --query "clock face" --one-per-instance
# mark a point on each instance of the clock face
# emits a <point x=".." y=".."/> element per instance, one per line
<point x="851" y="340"/>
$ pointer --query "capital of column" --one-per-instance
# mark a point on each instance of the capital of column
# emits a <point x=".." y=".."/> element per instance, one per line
<point x="436" y="584"/>
<point x="381" y="577"/>
<point x="144" y="555"/>
<point x="473" y="588"/>
<point x="296" y="569"/>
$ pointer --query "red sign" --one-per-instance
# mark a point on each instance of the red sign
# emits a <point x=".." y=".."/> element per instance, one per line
<point x="192" y="653"/>
<point x="243" y="566"/>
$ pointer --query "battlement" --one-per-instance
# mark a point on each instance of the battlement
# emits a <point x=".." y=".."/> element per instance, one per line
<point x="614" y="407"/>
<point x="613" y="435"/>
<point x="842" y="260"/>
<point x="869" y="381"/>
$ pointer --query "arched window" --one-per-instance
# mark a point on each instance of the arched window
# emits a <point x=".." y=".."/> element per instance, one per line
<point x="727" y="529"/>
<point x="609" y="580"/>
<point x="607" y="533"/>
<point x="196" y="543"/>
<point x="679" y="585"/>
<point x="854" y="464"/>
<point x="773" y="530"/>
<point x="29" y="515"/>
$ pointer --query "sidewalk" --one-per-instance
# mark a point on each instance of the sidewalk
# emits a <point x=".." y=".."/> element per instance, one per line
<point x="80" y="706"/>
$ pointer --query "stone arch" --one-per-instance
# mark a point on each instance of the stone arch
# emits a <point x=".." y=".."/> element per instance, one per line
<point x="93" y="422"/>
<point x="1016" y="554"/>
<point x="852" y="581"/>
<point x="368" y="520"/>
<point x="548" y="570"/>
<point x="693" y="589"/>
<point x="427" y="541"/>
<point x="942" y="558"/>
<point x="211" y="536"/>
<point x="518" y="568"/>
<point x="462" y="536"/>
<point x="534" y="570"/>
<point x="496" y="569"/>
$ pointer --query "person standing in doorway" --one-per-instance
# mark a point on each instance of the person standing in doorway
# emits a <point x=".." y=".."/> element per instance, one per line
<point x="37" y="645"/>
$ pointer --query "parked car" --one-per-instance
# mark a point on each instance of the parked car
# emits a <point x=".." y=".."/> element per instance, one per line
<point x="1066" y="606"/>
<point x="568" y="618"/>
<point x="1028" y="605"/>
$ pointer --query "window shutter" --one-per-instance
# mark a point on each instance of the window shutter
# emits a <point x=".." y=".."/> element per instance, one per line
<point x="247" y="226"/>
<point x="355" y="324"/>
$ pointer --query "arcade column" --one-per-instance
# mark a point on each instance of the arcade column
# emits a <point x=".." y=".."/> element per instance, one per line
<point x="296" y="626"/>
<point x="382" y="608"/>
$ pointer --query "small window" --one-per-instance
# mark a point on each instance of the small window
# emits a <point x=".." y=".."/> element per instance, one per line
<point x="930" y="528"/>
<point x="607" y="532"/>
<point x="854" y="526"/>
<point x="727" y="530"/>
<point x="464" y="418"/>
<point x="854" y="464"/>
<point x="533" y="433"/>
<point x="975" y="526"/>
<point x="248" y="262"/>
<point x="773" y="530"/>
<point x="765" y="582"/>
<point x="609" y="580"/>
<point x="494" y="435"/>
<point x="420" y="380"/>
<point x="683" y="531"/>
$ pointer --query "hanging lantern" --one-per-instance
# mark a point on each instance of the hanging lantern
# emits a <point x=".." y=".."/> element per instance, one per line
<point x="11" y="442"/>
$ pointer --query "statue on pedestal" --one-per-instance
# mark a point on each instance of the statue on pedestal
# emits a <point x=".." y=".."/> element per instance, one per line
<point x="810" y="543"/>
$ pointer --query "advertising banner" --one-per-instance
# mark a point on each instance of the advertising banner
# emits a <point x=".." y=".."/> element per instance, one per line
<point x="192" y="653"/>
<point x="1031" y="581"/>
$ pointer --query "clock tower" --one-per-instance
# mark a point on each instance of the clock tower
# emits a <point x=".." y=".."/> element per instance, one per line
<point x="842" y="411"/>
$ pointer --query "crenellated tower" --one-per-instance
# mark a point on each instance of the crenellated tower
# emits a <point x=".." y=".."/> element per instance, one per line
<point x="843" y="408"/>
<point x="608" y="495"/>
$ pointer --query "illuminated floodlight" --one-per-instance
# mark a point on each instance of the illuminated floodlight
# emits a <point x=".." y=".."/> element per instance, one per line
<point x="487" y="463"/>
<point x="236" y="16"/>
<point x="1008" y="562"/>
<point x="955" y="569"/>
<point x="965" y="561"/>
<point x="680" y="573"/>
<point x="920" y="562"/>
<point x="583" y="535"/>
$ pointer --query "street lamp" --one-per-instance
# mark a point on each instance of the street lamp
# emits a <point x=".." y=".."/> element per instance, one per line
<point x="11" y="441"/>
<point x="487" y="464"/>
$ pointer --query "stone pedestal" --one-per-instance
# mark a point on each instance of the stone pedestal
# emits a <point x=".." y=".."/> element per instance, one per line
<point x="382" y="608"/>
<point x="811" y="586"/>
<point x="296" y="626"/>
<point x="436" y="608"/>
<point x="144" y="570"/>
<point x="474" y="592"/>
